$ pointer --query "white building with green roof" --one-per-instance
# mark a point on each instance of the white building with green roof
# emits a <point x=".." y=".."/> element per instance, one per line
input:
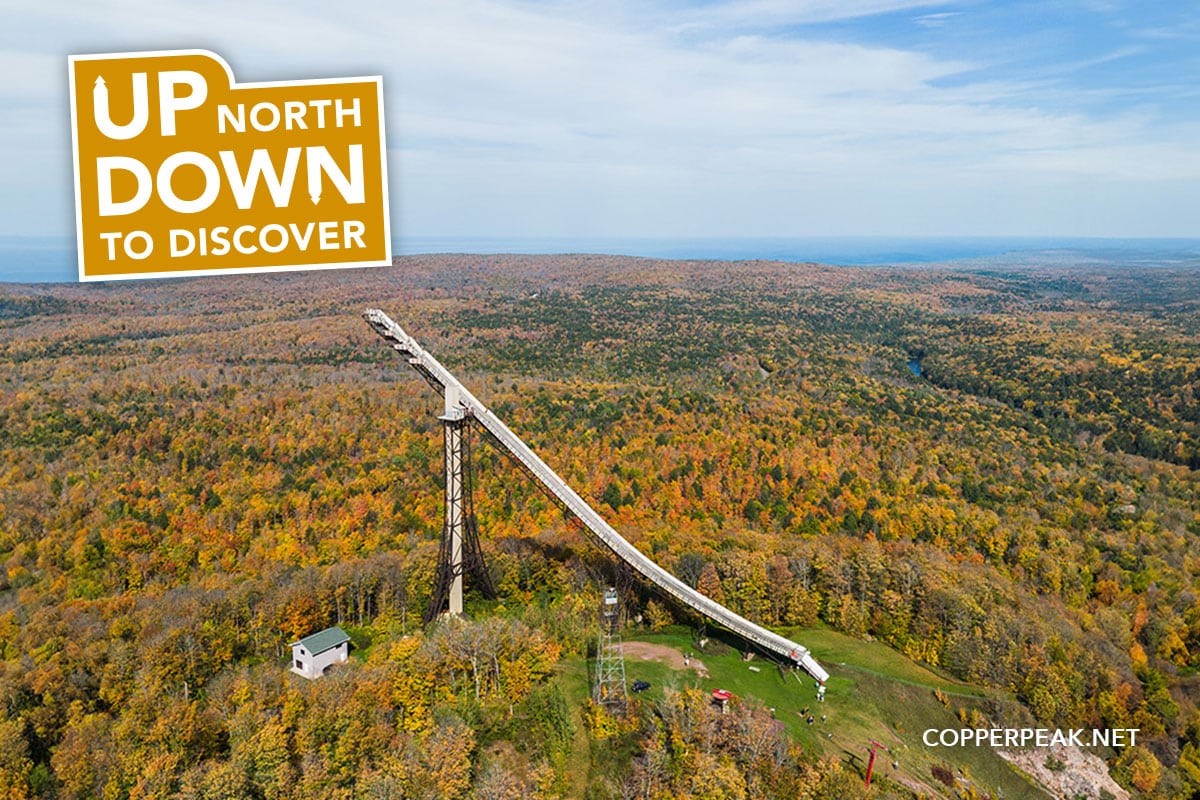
<point x="313" y="655"/>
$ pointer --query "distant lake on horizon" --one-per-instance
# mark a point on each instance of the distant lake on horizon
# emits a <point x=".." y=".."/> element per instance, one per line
<point x="49" y="259"/>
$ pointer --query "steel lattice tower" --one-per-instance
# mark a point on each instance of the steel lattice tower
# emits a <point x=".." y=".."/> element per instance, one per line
<point x="610" y="661"/>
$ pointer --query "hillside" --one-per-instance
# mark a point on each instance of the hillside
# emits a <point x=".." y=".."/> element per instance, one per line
<point x="991" y="473"/>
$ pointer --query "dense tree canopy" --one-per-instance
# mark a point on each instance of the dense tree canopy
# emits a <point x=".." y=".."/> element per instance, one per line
<point x="193" y="474"/>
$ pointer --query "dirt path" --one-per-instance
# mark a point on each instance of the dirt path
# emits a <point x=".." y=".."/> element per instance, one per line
<point x="663" y="654"/>
<point x="1078" y="773"/>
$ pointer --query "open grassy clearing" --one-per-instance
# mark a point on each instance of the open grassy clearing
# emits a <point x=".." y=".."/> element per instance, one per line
<point x="874" y="693"/>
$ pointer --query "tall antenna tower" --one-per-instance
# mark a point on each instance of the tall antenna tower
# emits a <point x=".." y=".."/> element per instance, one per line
<point x="610" y="661"/>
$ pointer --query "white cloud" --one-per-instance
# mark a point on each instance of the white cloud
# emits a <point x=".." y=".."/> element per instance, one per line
<point x="30" y="78"/>
<point x="764" y="13"/>
<point x="636" y="118"/>
<point x="937" y="20"/>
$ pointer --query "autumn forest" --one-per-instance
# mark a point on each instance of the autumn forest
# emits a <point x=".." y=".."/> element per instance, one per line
<point x="994" y="473"/>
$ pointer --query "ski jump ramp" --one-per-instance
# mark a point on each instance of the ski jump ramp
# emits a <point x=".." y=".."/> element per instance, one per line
<point x="440" y="378"/>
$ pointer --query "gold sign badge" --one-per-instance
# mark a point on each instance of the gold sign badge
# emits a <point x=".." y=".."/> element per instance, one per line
<point x="180" y="170"/>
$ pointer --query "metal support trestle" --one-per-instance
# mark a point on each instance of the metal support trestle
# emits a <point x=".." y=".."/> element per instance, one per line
<point x="460" y="552"/>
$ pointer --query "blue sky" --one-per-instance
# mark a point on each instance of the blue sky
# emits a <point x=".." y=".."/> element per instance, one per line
<point x="662" y="118"/>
